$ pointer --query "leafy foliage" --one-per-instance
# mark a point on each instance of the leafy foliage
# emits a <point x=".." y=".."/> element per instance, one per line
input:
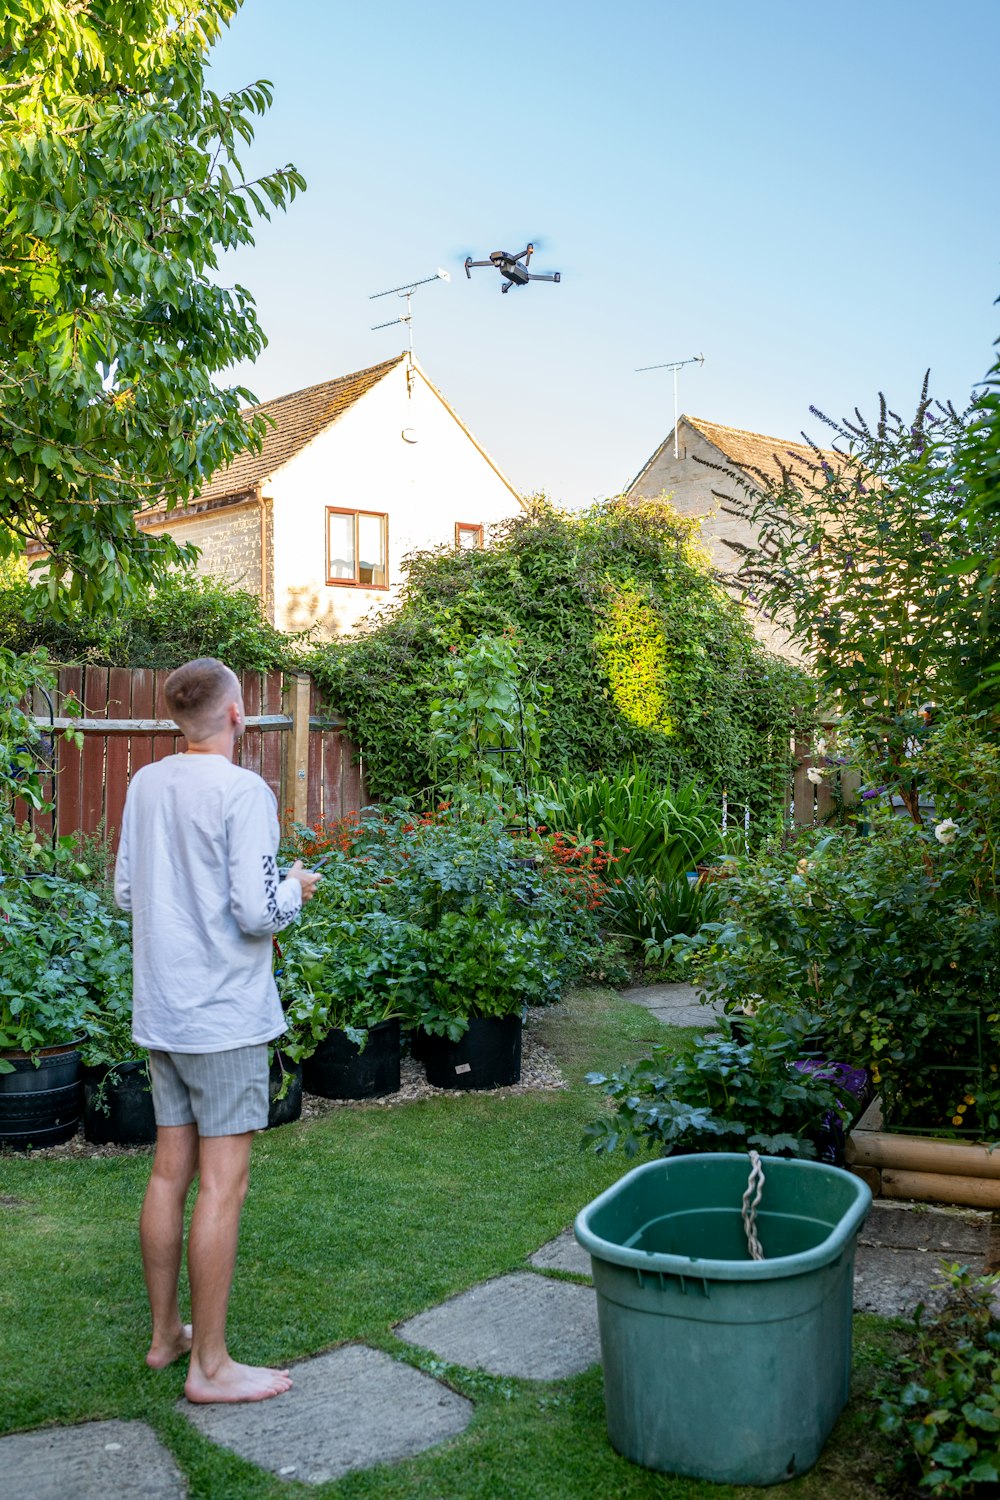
<point x="433" y="918"/>
<point x="948" y="1409"/>
<point x="652" y="830"/>
<point x="181" y="617"/>
<point x="65" y="962"/>
<point x="885" y="938"/>
<point x="121" y="182"/>
<point x="485" y="736"/>
<point x="976" y="470"/>
<point x="721" y="1095"/>
<point x="873" y="565"/>
<point x="697" y="698"/>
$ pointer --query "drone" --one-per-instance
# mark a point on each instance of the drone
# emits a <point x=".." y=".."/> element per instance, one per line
<point x="510" y="268"/>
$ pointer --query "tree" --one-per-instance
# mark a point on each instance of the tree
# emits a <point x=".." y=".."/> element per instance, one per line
<point x="120" y="185"/>
<point x="873" y="568"/>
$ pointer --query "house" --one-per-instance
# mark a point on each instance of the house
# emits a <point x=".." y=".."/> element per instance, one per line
<point x="355" y="473"/>
<point x="694" y="485"/>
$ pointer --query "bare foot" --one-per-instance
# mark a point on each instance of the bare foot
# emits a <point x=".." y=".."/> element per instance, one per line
<point x="235" y="1382"/>
<point x="163" y="1352"/>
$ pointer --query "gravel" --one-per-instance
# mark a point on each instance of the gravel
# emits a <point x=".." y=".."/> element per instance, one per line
<point x="539" y="1072"/>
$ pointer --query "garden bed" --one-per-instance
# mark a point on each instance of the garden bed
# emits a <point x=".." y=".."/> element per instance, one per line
<point x="926" y="1169"/>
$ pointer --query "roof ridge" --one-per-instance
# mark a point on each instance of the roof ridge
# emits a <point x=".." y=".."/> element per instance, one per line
<point x="385" y="365"/>
<point x="762" y="437"/>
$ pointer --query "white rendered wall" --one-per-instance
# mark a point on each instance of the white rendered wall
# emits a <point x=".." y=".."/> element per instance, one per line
<point x="363" y="462"/>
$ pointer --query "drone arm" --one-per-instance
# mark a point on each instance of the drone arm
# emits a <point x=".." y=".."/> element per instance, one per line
<point x="536" y="276"/>
<point x="470" y="263"/>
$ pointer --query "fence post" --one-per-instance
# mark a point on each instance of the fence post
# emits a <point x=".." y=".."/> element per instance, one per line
<point x="296" y="779"/>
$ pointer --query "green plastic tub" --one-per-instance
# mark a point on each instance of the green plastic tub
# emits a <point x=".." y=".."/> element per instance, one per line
<point x="716" y="1365"/>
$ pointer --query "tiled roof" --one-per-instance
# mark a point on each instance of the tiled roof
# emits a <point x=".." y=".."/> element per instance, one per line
<point x="298" y="418"/>
<point x="753" y="451"/>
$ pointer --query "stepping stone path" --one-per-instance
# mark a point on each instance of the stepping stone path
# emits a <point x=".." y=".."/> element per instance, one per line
<point x="349" y="1409"/>
<point x="524" y="1325"/>
<point x="676" y="1004"/>
<point x="89" y="1462"/>
<point x="355" y="1407"/>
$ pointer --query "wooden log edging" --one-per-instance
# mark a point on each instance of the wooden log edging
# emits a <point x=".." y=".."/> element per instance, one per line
<point x="926" y="1169"/>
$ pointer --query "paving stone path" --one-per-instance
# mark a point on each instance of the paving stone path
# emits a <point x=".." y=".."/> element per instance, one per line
<point x="354" y="1407"/>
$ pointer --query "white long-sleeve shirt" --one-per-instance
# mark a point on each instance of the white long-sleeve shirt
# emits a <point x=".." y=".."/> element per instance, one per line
<point x="197" y="870"/>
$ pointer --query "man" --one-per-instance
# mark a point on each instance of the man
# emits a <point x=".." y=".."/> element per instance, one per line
<point x="196" y="868"/>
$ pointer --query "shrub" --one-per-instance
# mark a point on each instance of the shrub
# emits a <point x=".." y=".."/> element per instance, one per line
<point x="885" y="938"/>
<point x="183" y="617"/>
<point x="639" y="653"/>
<point x="944" y="1399"/>
<point x="720" y="1095"/>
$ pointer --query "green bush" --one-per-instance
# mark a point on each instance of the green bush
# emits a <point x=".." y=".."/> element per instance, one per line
<point x="432" y="918"/>
<point x="944" y="1398"/>
<point x="887" y="939"/>
<point x="616" y="615"/>
<point x="723" y="1094"/>
<point x="185" y="616"/>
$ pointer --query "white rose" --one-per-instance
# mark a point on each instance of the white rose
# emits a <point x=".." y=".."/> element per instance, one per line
<point x="815" y="775"/>
<point x="821" y="748"/>
<point x="946" y="832"/>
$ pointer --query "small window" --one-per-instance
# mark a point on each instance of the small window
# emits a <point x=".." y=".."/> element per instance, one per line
<point x="357" y="548"/>
<point x="468" y="535"/>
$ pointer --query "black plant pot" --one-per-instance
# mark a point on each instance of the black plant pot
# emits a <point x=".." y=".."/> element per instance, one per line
<point x="284" y="1111"/>
<point x="488" y="1056"/>
<point x="339" y="1070"/>
<point x="41" y="1105"/>
<point x="126" y="1118"/>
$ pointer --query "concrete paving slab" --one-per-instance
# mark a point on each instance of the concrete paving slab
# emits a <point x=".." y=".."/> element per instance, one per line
<point x="675" y="1004"/>
<point x="563" y="1253"/>
<point x="524" y="1325"/>
<point x="351" y="1408"/>
<point x="900" y="1250"/>
<point x="89" y="1462"/>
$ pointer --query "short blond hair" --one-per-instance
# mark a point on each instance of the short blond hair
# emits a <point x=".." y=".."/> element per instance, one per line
<point x="198" y="693"/>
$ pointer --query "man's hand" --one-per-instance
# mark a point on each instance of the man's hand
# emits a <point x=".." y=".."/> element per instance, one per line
<point x="308" y="879"/>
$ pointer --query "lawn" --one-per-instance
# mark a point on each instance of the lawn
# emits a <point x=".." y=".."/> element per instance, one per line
<point x="355" y="1221"/>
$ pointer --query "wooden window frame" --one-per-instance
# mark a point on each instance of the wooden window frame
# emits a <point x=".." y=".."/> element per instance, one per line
<point x="354" y="583"/>
<point x="477" y="527"/>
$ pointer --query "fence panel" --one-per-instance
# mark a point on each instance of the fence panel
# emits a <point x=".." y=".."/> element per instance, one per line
<point x="287" y="732"/>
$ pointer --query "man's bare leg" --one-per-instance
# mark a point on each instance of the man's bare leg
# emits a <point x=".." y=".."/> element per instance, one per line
<point x="161" y="1234"/>
<point x="224" y="1164"/>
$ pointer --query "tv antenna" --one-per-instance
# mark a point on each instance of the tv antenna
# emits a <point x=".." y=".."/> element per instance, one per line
<point x="407" y="290"/>
<point x="675" y="365"/>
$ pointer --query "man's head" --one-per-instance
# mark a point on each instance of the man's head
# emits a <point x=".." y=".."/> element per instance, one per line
<point x="205" y="699"/>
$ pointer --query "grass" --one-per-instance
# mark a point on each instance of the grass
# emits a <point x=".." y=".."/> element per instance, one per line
<point x="355" y="1221"/>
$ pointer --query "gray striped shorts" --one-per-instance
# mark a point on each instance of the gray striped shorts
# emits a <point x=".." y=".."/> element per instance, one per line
<point x="223" y="1093"/>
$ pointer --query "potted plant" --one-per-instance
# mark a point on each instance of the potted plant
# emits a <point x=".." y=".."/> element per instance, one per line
<point x="341" y="977"/>
<point x="61" y="949"/>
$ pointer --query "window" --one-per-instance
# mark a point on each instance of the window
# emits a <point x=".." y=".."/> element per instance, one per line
<point x="468" y="535"/>
<point x="357" y="548"/>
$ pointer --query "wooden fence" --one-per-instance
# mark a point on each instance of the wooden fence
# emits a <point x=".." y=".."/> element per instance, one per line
<point x="809" y="804"/>
<point x="303" y="753"/>
<point x="314" y="769"/>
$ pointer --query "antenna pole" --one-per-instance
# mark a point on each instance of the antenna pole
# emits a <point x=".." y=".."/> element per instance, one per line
<point x="674" y="365"/>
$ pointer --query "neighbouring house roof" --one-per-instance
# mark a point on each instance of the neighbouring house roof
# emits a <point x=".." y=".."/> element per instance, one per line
<point x="752" y="450"/>
<point x="297" y="418"/>
<point x="747" y="451"/>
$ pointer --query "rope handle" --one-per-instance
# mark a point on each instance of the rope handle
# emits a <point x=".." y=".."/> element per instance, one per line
<point x="751" y="1200"/>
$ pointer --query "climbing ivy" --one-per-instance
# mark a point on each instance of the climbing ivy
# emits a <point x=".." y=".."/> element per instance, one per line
<point x="617" y="614"/>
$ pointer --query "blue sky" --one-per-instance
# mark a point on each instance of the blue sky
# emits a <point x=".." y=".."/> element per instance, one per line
<point x="805" y="192"/>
